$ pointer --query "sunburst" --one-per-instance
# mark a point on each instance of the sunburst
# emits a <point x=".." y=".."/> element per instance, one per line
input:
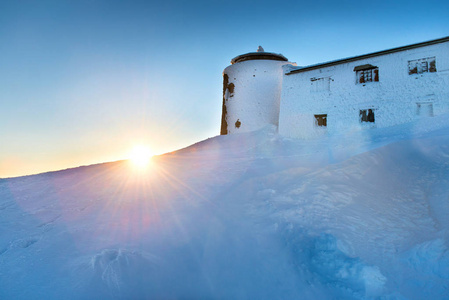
<point x="140" y="156"/>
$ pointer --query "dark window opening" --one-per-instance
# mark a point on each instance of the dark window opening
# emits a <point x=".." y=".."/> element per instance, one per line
<point x="371" y="75"/>
<point x="423" y="65"/>
<point x="432" y="66"/>
<point x="366" y="73"/>
<point x="367" y="115"/>
<point x="321" y="120"/>
<point x="376" y="74"/>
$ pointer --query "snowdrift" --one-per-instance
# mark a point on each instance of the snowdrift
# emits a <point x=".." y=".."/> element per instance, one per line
<point x="248" y="216"/>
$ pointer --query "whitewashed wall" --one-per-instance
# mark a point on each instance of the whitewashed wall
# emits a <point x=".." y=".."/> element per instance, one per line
<point x="254" y="102"/>
<point x="394" y="97"/>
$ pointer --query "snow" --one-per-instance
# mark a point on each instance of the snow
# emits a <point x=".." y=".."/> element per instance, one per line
<point x="360" y="215"/>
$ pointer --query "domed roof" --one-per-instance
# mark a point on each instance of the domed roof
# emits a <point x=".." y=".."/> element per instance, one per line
<point x="260" y="54"/>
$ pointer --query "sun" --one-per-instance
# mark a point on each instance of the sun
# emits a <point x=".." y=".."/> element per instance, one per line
<point x="140" y="156"/>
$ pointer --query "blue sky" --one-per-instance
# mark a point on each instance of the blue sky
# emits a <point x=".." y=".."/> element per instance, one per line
<point x="82" y="82"/>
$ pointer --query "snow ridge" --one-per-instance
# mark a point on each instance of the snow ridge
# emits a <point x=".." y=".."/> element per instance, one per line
<point x="246" y="216"/>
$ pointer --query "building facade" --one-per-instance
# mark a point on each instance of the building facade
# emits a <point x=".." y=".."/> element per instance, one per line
<point x="379" y="89"/>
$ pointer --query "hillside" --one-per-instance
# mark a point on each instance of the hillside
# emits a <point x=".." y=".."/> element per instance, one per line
<point x="250" y="216"/>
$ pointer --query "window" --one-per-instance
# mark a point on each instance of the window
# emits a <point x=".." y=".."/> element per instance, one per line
<point x="367" y="116"/>
<point x="424" y="109"/>
<point x="422" y="65"/>
<point x="320" y="84"/>
<point x="321" y="120"/>
<point x="366" y="73"/>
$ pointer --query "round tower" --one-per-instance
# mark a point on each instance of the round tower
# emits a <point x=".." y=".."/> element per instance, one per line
<point x="252" y="91"/>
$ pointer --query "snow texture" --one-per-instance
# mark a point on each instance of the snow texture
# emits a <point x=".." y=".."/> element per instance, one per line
<point x="361" y="215"/>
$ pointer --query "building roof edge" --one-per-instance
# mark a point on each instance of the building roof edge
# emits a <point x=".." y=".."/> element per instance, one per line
<point x="369" y="55"/>
<point x="258" y="55"/>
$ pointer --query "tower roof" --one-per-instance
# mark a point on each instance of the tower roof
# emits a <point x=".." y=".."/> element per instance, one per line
<point x="260" y="54"/>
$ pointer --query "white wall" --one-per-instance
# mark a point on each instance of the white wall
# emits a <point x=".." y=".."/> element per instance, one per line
<point x="257" y="91"/>
<point x="394" y="97"/>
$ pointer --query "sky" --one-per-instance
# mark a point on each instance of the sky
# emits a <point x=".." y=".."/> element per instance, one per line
<point x="83" y="82"/>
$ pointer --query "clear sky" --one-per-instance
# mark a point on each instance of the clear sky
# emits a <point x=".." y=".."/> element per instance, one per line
<point x="82" y="82"/>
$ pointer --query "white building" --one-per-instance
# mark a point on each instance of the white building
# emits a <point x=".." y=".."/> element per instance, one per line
<point x="373" y="90"/>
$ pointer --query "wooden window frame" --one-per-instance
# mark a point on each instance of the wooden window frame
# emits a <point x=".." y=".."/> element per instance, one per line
<point x="321" y="120"/>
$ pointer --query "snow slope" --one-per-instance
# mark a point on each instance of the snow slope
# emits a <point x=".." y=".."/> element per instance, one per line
<point x="248" y="216"/>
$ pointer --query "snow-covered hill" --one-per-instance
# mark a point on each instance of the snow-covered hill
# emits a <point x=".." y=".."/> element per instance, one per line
<point x="251" y="216"/>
